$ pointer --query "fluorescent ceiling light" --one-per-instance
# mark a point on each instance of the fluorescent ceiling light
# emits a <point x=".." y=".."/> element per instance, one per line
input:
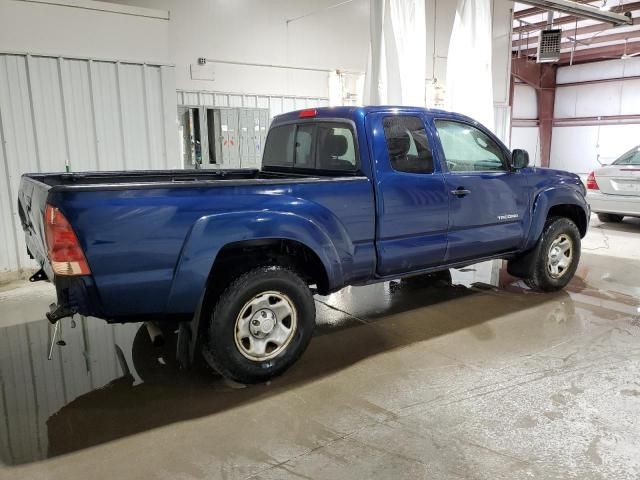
<point x="581" y="10"/>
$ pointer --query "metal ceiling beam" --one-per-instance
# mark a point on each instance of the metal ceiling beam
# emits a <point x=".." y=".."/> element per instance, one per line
<point x="609" y="52"/>
<point x="570" y="32"/>
<point x="580" y="10"/>
<point x="531" y="27"/>
<point x="528" y="12"/>
<point x="614" y="37"/>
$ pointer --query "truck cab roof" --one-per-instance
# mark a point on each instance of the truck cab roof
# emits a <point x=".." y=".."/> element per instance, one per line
<point x="358" y="112"/>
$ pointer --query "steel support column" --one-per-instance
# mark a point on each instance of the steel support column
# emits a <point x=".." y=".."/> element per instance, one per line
<point x="542" y="77"/>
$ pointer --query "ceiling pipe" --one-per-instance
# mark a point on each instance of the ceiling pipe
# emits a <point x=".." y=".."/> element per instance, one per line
<point x="580" y="10"/>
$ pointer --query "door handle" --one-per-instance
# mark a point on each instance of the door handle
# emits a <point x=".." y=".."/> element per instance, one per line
<point x="460" y="192"/>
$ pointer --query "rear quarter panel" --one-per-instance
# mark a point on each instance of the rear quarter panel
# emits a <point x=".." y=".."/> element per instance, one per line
<point x="151" y="250"/>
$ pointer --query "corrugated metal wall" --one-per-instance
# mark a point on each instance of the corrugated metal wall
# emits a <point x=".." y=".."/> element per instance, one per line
<point x="276" y="104"/>
<point x="81" y="113"/>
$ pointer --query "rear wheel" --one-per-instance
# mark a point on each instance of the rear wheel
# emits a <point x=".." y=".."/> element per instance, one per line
<point x="260" y="325"/>
<point x="556" y="256"/>
<point x="610" y="217"/>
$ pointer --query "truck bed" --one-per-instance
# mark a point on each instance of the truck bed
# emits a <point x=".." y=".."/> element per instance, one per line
<point x="161" y="178"/>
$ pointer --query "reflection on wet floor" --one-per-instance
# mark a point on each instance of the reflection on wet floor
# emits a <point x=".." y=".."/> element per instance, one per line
<point x="109" y="381"/>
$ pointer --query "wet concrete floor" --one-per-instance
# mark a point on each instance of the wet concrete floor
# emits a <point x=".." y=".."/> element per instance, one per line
<point x="481" y="378"/>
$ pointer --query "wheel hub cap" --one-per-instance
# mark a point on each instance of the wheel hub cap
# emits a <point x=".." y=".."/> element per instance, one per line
<point x="265" y="326"/>
<point x="262" y="323"/>
<point x="560" y="256"/>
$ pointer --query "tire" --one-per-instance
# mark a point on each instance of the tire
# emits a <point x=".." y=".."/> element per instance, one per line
<point x="610" y="217"/>
<point x="547" y="272"/>
<point x="261" y="324"/>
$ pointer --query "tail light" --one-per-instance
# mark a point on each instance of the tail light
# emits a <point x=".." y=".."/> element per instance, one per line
<point x="591" y="182"/>
<point x="65" y="253"/>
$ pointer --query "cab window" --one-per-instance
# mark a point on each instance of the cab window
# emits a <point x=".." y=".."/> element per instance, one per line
<point x="407" y="144"/>
<point x="328" y="146"/>
<point x="468" y="149"/>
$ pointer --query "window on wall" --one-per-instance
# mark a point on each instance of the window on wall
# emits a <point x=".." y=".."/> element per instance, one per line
<point x="407" y="144"/>
<point x="468" y="149"/>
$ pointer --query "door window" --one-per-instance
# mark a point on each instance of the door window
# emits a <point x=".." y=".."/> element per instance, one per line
<point x="468" y="149"/>
<point x="407" y="144"/>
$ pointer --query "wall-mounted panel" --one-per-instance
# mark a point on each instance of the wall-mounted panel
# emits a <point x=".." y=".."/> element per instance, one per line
<point x="630" y="97"/>
<point x="81" y="114"/>
<point x="599" y="71"/>
<point x="525" y="102"/>
<point x="276" y="104"/>
<point x="578" y="148"/>
<point x="527" y="138"/>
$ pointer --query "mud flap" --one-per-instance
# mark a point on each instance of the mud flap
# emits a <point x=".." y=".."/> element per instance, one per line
<point x="522" y="266"/>
<point x="189" y="338"/>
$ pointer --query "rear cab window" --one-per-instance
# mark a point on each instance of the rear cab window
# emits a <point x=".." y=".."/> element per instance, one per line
<point x="313" y="147"/>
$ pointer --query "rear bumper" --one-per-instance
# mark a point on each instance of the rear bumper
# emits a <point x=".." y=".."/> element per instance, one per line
<point x="620" y="204"/>
<point x="78" y="294"/>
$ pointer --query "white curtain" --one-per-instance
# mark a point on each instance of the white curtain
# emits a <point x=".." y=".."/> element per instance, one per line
<point x="397" y="54"/>
<point x="469" y="79"/>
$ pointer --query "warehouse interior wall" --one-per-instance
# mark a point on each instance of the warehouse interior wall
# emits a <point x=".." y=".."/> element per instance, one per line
<point x="596" y="119"/>
<point x="84" y="28"/>
<point x="525" y="132"/>
<point x="327" y="34"/>
<point x="597" y="114"/>
<point x="284" y="32"/>
<point x="64" y="106"/>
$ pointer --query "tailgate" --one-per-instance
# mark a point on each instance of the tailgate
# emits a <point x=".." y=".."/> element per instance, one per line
<point x="619" y="180"/>
<point x="32" y="201"/>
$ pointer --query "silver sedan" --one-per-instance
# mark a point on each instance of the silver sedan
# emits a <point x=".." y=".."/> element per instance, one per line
<point x="613" y="191"/>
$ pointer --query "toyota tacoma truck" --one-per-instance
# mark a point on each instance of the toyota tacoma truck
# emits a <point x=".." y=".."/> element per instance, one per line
<point x="345" y="196"/>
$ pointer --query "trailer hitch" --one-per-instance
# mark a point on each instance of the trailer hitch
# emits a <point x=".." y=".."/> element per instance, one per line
<point x="57" y="312"/>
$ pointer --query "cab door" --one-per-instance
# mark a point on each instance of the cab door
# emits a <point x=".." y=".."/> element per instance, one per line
<point x="489" y="202"/>
<point x="411" y="198"/>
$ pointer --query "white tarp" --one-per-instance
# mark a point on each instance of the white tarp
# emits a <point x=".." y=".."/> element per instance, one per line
<point x="397" y="57"/>
<point x="469" y="78"/>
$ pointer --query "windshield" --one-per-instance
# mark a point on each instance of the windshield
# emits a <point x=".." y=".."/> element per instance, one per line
<point x="630" y="158"/>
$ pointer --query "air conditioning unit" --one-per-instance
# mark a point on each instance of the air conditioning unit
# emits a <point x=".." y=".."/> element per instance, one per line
<point x="549" y="46"/>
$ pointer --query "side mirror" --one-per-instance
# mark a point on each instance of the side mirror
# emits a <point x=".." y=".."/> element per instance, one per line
<point x="519" y="159"/>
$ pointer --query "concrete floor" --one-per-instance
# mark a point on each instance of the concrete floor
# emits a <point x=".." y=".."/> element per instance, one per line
<point x="480" y="379"/>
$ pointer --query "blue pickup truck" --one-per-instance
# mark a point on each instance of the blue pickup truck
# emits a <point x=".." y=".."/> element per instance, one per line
<point x="345" y="196"/>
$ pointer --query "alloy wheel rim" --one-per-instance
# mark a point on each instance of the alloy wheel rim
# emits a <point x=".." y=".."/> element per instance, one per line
<point x="265" y="326"/>
<point x="560" y="256"/>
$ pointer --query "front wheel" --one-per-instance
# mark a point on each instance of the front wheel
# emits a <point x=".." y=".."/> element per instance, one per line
<point x="556" y="256"/>
<point x="260" y="325"/>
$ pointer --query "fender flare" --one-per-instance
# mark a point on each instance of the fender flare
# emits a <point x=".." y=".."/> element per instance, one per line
<point x="210" y="234"/>
<point x="548" y="199"/>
